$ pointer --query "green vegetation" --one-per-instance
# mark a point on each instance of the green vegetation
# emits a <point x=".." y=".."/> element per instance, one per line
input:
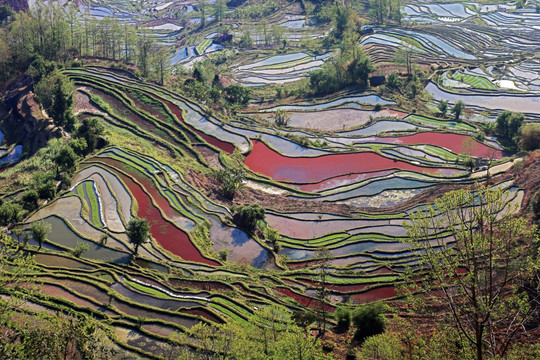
<point x="248" y="216"/>
<point x="40" y="230"/>
<point x="369" y="320"/>
<point x="138" y="232"/>
<point x="231" y="181"/>
<point x="497" y="245"/>
<point x="479" y="82"/>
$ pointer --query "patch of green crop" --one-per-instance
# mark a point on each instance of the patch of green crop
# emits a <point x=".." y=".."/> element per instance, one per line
<point x="94" y="206"/>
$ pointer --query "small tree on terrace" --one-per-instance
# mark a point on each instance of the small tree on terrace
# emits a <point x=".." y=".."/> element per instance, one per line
<point x="474" y="253"/>
<point x="138" y="231"/>
<point x="324" y="257"/>
<point x="443" y="107"/>
<point x="281" y="118"/>
<point x="231" y="181"/>
<point x="40" y="230"/>
<point x="458" y="108"/>
<point x="247" y="216"/>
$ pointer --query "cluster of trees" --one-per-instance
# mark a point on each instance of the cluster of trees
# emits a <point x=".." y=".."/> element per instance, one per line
<point x="383" y="10"/>
<point x="213" y="93"/>
<point x="248" y="216"/>
<point x="344" y="70"/>
<point x="55" y="170"/>
<point x="481" y="266"/>
<point x="271" y="333"/>
<point x="60" y="33"/>
<point x="45" y="335"/>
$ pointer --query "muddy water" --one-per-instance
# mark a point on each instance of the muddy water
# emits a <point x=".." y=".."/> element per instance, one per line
<point x="525" y="104"/>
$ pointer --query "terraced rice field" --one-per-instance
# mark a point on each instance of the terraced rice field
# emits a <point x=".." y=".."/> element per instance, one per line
<point x="381" y="165"/>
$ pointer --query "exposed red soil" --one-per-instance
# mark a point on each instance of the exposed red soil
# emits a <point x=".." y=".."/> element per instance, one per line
<point x="309" y="169"/>
<point x="380" y="293"/>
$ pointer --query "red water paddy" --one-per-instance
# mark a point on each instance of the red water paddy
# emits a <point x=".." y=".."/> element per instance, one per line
<point x="454" y="142"/>
<point x="305" y="300"/>
<point x="315" y="169"/>
<point x="225" y="146"/>
<point x="166" y="234"/>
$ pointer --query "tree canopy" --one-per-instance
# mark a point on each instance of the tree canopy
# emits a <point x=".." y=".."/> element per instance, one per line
<point x="138" y="231"/>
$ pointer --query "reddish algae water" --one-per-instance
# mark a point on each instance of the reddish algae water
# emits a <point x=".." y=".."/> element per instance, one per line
<point x="314" y="169"/>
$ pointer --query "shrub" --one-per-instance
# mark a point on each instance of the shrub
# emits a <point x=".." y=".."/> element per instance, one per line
<point x="369" y="320"/>
<point x="530" y="137"/>
<point x="231" y="181"/>
<point x="80" y="248"/>
<point x="383" y="347"/>
<point x="223" y="254"/>
<point x="30" y="200"/>
<point x="247" y="216"/>
<point x="10" y="212"/>
<point x="343" y="316"/>
<point x="281" y="118"/>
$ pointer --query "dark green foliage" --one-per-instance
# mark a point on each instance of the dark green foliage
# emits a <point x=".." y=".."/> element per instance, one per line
<point x="392" y="81"/>
<point x="247" y="216"/>
<point x="5" y="12"/>
<point x="469" y="162"/>
<point x="30" y="200"/>
<point x="47" y="190"/>
<point x="443" y="106"/>
<point x="369" y="320"/>
<point x="55" y="93"/>
<point x="80" y="248"/>
<point x="39" y="68"/>
<point x="343" y="317"/>
<point x="223" y="254"/>
<point x="231" y="180"/>
<point x="347" y="69"/>
<point x="304" y="318"/>
<point x="281" y="118"/>
<point x="536" y="208"/>
<point x="90" y="130"/>
<point x="458" y="108"/>
<point x="508" y="126"/>
<point x="10" y="212"/>
<point x="237" y="95"/>
<point x="66" y="159"/>
<point x="79" y="146"/>
<point x="40" y="230"/>
<point x="530" y="137"/>
<point x="198" y="75"/>
<point x="138" y="231"/>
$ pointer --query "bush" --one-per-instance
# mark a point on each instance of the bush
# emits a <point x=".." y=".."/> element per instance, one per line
<point x="47" y="190"/>
<point x="231" y="181"/>
<point x="30" y="200"/>
<point x="383" y="347"/>
<point x="530" y="137"/>
<point x="10" y="212"/>
<point x="369" y="320"/>
<point x="343" y="316"/>
<point x="247" y="216"/>
<point x="223" y="254"/>
<point x="80" y="248"/>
